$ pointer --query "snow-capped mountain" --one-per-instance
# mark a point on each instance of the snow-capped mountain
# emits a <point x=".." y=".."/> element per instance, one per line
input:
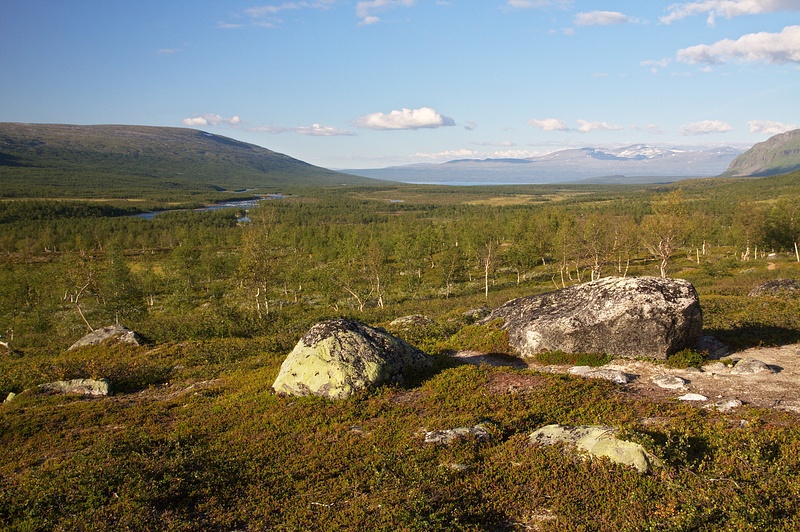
<point x="639" y="163"/>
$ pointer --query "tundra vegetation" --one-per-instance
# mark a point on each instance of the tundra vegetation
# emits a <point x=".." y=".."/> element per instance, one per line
<point x="193" y="439"/>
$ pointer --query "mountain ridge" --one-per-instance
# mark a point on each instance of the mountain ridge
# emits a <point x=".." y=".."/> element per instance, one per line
<point x="126" y="157"/>
<point x="779" y="154"/>
<point x="639" y="163"/>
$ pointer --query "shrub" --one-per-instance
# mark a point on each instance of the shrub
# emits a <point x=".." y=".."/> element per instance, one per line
<point x="686" y="358"/>
<point x="488" y="338"/>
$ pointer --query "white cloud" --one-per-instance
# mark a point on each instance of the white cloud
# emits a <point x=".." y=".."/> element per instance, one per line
<point x="548" y="124"/>
<point x="704" y="127"/>
<point x="366" y="10"/>
<point x="505" y="143"/>
<point x="783" y="47"/>
<point x="528" y="4"/>
<point x="602" y="18"/>
<point x="424" y="117"/>
<point x="449" y="154"/>
<point x="655" y="65"/>
<point x="210" y="120"/>
<point x="728" y="9"/>
<point x="586" y="127"/>
<point x="768" y="127"/>
<point x="318" y="130"/>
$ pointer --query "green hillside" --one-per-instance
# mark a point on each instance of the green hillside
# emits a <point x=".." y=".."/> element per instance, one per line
<point x="779" y="154"/>
<point x="58" y="160"/>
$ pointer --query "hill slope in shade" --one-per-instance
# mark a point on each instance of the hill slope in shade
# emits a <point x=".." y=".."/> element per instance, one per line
<point x="639" y="163"/>
<point x="62" y="159"/>
<point x="779" y="154"/>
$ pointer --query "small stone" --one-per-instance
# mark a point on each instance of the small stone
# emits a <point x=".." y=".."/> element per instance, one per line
<point x="727" y="404"/>
<point x="713" y="347"/>
<point x="715" y="367"/>
<point x="10" y="396"/>
<point x="693" y="397"/>
<point x="669" y="382"/>
<point x="750" y="366"/>
<point x="613" y="375"/>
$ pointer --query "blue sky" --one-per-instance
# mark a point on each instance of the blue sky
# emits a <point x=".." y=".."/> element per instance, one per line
<point x="363" y="84"/>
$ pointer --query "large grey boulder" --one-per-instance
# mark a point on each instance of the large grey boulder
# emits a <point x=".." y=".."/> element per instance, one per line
<point x="117" y="331"/>
<point x="620" y="316"/>
<point x="336" y="358"/>
<point x="597" y="440"/>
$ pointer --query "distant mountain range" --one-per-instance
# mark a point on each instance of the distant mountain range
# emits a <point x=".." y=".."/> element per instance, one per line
<point x="61" y="159"/>
<point x="640" y="163"/>
<point x="776" y="155"/>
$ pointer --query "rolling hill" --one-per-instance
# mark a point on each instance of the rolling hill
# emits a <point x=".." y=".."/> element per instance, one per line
<point x="779" y="154"/>
<point x="58" y="160"/>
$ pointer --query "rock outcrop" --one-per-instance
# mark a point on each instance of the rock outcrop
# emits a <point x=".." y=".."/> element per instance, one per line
<point x="777" y="287"/>
<point x="117" y="331"/>
<point x="625" y="317"/>
<point x="336" y="358"/>
<point x="597" y="440"/>
<point x="91" y="387"/>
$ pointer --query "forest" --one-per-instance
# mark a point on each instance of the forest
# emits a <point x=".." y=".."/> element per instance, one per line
<point x="192" y="439"/>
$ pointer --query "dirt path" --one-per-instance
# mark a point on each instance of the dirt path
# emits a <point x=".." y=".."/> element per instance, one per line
<point x="779" y="389"/>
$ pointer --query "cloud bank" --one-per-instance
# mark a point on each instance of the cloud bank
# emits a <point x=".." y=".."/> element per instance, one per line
<point x="424" y="117"/>
<point x="769" y="128"/>
<point x="210" y="120"/>
<point x="728" y="9"/>
<point x="783" y="47"/>
<point x="549" y="124"/>
<point x="705" y="127"/>
<point x="602" y="18"/>
<point x="586" y="127"/>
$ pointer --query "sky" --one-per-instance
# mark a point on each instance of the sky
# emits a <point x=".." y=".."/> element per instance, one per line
<point x="375" y="83"/>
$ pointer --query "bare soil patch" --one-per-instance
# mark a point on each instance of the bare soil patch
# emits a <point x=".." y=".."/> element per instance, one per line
<point x="778" y="390"/>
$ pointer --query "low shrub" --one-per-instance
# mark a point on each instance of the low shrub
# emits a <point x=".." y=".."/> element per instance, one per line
<point x="686" y="358"/>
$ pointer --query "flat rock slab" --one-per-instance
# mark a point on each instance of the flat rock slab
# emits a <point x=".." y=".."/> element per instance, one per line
<point x="597" y="440"/>
<point x="336" y="358"/>
<point x="78" y="387"/>
<point x="669" y="382"/>
<point x="777" y="287"/>
<point x="627" y="317"/>
<point x="609" y="374"/>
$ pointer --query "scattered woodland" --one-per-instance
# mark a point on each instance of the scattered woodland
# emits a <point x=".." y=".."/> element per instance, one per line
<point x="193" y="438"/>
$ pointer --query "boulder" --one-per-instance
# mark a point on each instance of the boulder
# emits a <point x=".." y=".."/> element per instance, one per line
<point x="750" y="366"/>
<point x="669" y="382"/>
<point x="620" y="316"/>
<point x="777" y="287"/>
<point x="597" y="440"/>
<point x="78" y="387"/>
<point x="118" y="332"/>
<point x="336" y="358"/>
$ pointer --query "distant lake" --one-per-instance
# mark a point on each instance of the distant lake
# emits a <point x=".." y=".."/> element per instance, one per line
<point x="231" y="204"/>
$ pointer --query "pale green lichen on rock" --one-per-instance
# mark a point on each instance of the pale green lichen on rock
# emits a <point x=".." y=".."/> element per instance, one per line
<point x="598" y="440"/>
<point x="336" y="358"/>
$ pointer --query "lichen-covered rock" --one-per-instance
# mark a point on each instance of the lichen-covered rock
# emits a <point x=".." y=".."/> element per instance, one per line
<point x="445" y="437"/>
<point x="750" y="366"/>
<point x="597" y="440"/>
<point x="669" y="382"/>
<point x="117" y="331"/>
<point x="627" y="317"/>
<point x="777" y="287"/>
<point x="78" y="386"/>
<point x="336" y="358"/>
<point x="614" y="375"/>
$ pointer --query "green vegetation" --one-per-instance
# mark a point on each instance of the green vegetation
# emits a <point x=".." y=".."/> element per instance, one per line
<point x="193" y="438"/>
